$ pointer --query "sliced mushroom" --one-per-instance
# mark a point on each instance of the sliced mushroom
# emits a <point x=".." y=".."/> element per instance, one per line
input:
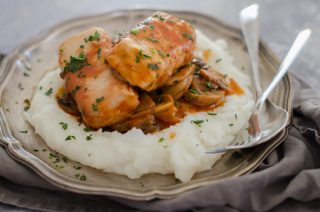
<point x="214" y="77"/>
<point x="203" y="93"/>
<point x="146" y="102"/>
<point x="166" y="110"/>
<point x="204" y="99"/>
<point x="177" y="90"/>
<point x="144" y="120"/>
<point x="180" y="74"/>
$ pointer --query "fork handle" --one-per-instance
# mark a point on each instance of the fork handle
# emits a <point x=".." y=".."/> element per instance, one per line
<point x="294" y="51"/>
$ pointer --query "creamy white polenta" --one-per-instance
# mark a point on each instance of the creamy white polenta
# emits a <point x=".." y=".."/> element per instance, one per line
<point x="179" y="149"/>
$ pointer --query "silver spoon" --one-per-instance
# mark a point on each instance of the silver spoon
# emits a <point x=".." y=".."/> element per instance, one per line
<point x="277" y="115"/>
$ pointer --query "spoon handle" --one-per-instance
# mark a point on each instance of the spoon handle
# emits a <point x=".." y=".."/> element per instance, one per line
<point x="250" y="29"/>
<point x="294" y="51"/>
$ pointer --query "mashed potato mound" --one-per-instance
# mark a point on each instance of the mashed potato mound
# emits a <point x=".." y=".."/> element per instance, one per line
<point x="179" y="149"/>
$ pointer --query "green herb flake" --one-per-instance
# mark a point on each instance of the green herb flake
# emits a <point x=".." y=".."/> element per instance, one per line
<point x="163" y="55"/>
<point x="187" y="35"/>
<point x="197" y="122"/>
<point x="77" y="175"/>
<point x="23" y="131"/>
<point x="76" y="89"/>
<point x="212" y="114"/>
<point x="134" y="31"/>
<point x="236" y="116"/>
<point x="89" y="137"/>
<point x="100" y="99"/>
<point x="40" y="88"/>
<point x="146" y="56"/>
<point x="87" y="129"/>
<point x="94" y="107"/>
<point x="49" y="92"/>
<point x="153" y="66"/>
<point x="218" y="60"/>
<point x="64" y="126"/>
<point x="153" y="40"/>
<point x="94" y="37"/>
<point x="35" y="150"/>
<point x="77" y="167"/>
<point x="27" y="104"/>
<point x="231" y="124"/>
<point x="209" y="85"/>
<point x="81" y="46"/>
<point x="76" y="63"/>
<point x="152" y="27"/>
<point x="194" y="91"/>
<point x="83" y="178"/>
<point x="99" y="52"/>
<point x="26" y="74"/>
<point x="70" y="137"/>
<point x="160" y="140"/>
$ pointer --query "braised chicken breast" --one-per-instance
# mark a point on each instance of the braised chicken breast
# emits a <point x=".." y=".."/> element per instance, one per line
<point x="100" y="96"/>
<point x="149" y="54"/>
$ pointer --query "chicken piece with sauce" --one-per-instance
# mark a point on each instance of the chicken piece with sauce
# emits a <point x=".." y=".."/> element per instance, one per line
<point x="100" y="96"/>
<point x="148" y="55"/>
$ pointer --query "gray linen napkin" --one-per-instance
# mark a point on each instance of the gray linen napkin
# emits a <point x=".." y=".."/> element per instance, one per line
<point x="289" y="179"/>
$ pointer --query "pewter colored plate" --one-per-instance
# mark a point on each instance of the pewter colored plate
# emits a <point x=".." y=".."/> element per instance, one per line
<point x="40" y="55"/>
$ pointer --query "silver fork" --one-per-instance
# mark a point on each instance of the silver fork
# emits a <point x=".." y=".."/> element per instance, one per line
<point x="249" y="26"/>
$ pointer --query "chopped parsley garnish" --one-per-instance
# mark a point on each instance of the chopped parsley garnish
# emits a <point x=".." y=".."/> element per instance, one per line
<point x="75" y="90"/>
<point x="23" y="131"/>
<point x="197" y="122"/>
<point x="146" y="56"/>
<point x="94" y="37"/>
<point x="76" y="63"/>
<point x="152" y="27"/>
<point x="81" y="46"/>
<point x="134" y="31"/>
<point x="194" y="91"/>
<point x="209" y="85"/>
<point x="64" y="159"/>
<point x="35" y="150"/>
<point x="77" y="175"/>
<point x="152" y="40"/>
<point x="231" y="124"/>
<point x="100" y="99"/>
<point x="26" y="74"/>
<point x="77" y="167"/>
<point x="94" y="107"/>
<point x="153" y="66"/>
<point x="64" y="125"/>
<point x="163" y="55"/>
<point x="236" y="116"/>
<point x="187" y="35"/>
<point x="89" y="137"/>
<point x="160" y="140"/>
<point x="218" y="60"/>
<point x="211" y="113"/>
<point x="160" y="17"/>
<point x="83" y="178"/>
<point x="48" y="92"/>
<point x="70" y="137"/>
<point x="225" y="76"/>
<point x="99" y="52"/>
<point x="27" y="104"/>
<point x="87" y="129"/>
<point x="61" y="50"/>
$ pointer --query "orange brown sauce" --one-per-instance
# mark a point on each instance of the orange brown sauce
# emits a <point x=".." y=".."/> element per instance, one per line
<point x="184" y="108"/>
